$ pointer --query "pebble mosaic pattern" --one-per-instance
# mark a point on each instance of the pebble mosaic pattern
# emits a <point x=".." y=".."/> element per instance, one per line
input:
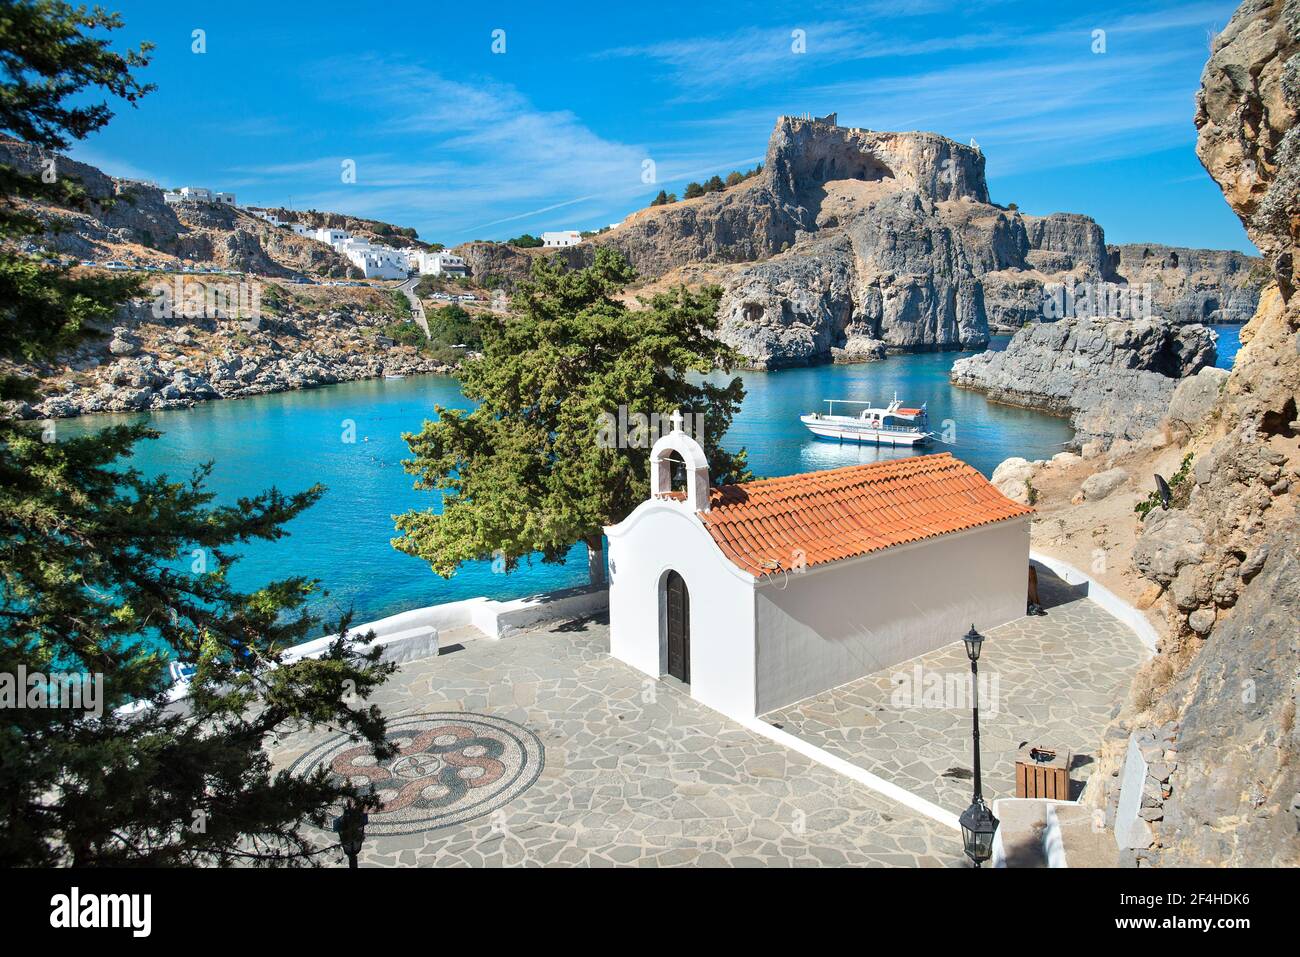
<point x="450" y="767"/>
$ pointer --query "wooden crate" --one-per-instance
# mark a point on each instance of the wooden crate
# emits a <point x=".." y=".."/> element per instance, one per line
<point x="1042" y="773"/>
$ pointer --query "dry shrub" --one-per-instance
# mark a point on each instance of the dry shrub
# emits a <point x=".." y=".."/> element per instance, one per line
<point x="1150" y="681"/>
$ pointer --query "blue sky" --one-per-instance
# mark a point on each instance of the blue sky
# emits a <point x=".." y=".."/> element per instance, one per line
<point x="464" y="143"/>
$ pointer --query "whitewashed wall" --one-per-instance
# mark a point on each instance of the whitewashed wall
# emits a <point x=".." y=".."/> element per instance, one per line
<point x="839" y="622"/>
<point x="665" y="535"/>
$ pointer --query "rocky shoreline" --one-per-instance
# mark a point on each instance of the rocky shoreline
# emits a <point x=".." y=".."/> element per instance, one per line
<point x="150" y="385"/>
<point x="1114" y="379"/>
<point x="145" y="364"/>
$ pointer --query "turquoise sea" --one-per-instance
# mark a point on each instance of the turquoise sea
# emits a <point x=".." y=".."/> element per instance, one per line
<point x="293" y="439"/>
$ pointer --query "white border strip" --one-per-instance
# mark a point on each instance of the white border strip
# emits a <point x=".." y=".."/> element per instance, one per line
<point x="1053" y="840"/>
<point x="1106" y="599"/>
<point x="850" y="770"/>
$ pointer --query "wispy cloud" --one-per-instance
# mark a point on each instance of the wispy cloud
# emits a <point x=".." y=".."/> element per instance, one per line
<point x="251" y="126"/>
<point x="708" y="67"/>
<point x="113" y="165"/>
<point x="471" y="155"/>
<point x="1034" y="101"/>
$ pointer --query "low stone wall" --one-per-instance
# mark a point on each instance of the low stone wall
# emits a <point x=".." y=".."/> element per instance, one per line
<point x="412" y="635"/>
<point x="496" y="619"/>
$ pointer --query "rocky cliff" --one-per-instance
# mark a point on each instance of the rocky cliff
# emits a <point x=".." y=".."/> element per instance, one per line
<point x="794" y="194"/>
<point x="1218" y="569"/>
<point x="119" y="211"/>
<point x="1192" y="285"/>
<point x="856" y="243"/>
<point x="1114" y="379"/>
<point x="128" y="220"/>
<point x="903" y="276"/>
<point x="1231" y="598"/>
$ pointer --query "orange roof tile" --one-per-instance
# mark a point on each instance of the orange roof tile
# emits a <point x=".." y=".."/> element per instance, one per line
<point x="847" y="512"/>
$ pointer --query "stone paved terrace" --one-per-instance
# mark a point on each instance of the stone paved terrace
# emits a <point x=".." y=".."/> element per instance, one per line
<point x="633" y="772"/>
<point x="1058" y="678"/>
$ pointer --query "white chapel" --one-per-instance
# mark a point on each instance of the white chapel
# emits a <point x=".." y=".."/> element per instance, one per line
<point x="760" y="594"/>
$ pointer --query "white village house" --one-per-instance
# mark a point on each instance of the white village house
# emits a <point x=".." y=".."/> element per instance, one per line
<point x="437" y="263"/>
<point x="197" y="194"/>
<point x="376" y="262"/>
<point x="564" y="237"/>
<point x="761" y="594"/>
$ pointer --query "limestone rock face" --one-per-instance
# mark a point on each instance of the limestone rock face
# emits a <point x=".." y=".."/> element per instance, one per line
<point x="138" y="214"/>
<point x="1246" y="117"/>
<point x="1229" y="559"/>
<point x="1191" y="285"/>
<point x="1233" y="792"/>
<point x="1113" y="379"/>
<point x="1012" y="298"/>
<point x="859" y="349"/>
<point x="793" y="309"/>
<point x="1064" y="241"/>
<point x="805" y="154"/>
<point x="1195" y="397"/>
<point x="1170" y="540"/>
<point x="499" y="265"/>
<point x="903" y="274"/>
<point x="768" y="214"/>
<point x="240" y="242"/>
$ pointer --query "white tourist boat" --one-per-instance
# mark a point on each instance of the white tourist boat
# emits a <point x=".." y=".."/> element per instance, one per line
<point x="893" y="425"/>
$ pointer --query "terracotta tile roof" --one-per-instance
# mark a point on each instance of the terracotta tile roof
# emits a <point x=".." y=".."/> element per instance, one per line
<point x="846" y="512"/>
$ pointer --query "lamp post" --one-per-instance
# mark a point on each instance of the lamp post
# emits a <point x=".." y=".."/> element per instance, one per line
<point x="978" y="825"/>
<point x="350" y="826"/>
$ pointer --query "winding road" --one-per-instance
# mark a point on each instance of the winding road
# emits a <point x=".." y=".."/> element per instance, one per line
<point x="417" y="307"/>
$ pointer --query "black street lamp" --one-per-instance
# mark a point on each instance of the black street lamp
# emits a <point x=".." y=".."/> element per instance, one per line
<point x="978" y="825"/>
<point x="351" y="825"/>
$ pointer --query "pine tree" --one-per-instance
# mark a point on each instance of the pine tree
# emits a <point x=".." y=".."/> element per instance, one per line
<point x="107" y="576"/>
<point x="527" y="470"/>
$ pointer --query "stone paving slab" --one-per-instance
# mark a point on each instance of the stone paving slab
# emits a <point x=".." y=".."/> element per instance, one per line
<point x="1052" y="681"/>
<point x="633" y="772"/>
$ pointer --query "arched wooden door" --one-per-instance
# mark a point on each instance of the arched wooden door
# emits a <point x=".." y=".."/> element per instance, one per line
<point x="679" y="627"/>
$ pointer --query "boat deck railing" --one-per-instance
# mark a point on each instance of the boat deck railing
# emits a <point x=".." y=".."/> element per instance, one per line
<point x="849" y="420"/>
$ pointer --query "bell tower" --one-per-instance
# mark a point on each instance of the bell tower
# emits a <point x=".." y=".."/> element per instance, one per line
<point x="692" y="454"/>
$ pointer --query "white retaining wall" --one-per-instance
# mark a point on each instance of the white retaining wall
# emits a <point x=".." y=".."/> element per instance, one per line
<point x="1111" y="603"/>
<point x="496" y="619"/>
<point x="411" y="635"/>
